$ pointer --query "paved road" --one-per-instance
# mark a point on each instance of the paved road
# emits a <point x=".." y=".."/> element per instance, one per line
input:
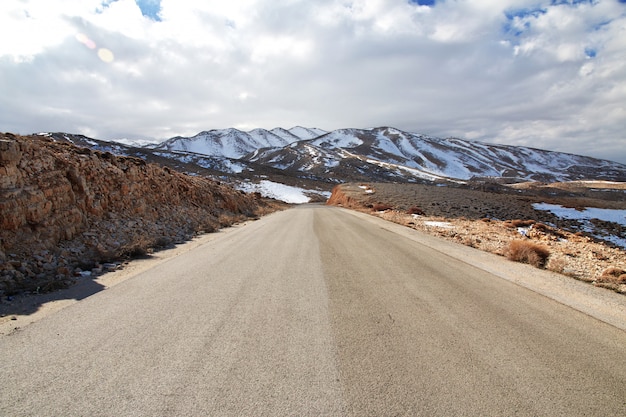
<point x="314" y="311"/>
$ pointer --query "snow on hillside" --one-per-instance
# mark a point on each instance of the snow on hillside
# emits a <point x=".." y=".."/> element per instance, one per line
<point x="137" y="143"/>
<point x="393" y="154"/>
<point x="344" y="138"/>
<point x="584" y="217"/>
<point x="230" y="143"/>
<point x="267" y="138"/>
<point x="285" y="134"/>
<point x="286" y="193"/>
<point x="306" y="133"/>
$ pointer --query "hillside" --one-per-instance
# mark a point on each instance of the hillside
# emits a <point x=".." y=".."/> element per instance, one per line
<point x="67" y="210"/>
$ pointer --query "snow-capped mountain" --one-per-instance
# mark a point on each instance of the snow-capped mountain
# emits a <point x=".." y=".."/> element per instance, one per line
<point x="378" y="154"/>
<point x="234" y="143"/>
<point x="388" y="153"/>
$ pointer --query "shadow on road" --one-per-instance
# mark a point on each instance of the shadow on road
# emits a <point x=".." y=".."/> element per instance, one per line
<point x="29" y="303"/>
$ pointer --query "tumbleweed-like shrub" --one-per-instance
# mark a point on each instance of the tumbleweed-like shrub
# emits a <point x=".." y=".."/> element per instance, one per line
<point x="518" y="223"/>
<point x="382" y="207"/>
<point x="613" y="275"/>
<point x="416" y="210"/>
<point x="528" y="252"/>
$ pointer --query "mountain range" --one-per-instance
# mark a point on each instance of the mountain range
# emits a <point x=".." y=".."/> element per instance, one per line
<point x="316" y="159"/>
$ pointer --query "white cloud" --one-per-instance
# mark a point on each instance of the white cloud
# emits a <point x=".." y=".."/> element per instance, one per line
<point x="523" y="72"/>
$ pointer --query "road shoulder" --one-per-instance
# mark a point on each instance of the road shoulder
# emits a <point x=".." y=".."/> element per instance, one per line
<point x="599" y="303"/>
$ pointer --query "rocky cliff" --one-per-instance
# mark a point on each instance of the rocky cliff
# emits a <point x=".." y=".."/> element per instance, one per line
<point x="65" y="210"/>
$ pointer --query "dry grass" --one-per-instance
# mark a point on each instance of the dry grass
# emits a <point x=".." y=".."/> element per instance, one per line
<point x="614" y="275"/>
<point x="519" y="223"/>
<point x="612" y="278"/>
<point x="416" y="210"/>
<point x="528" y="252"/>
<point x="382" y="207"/>
<point x="557" y="264"/>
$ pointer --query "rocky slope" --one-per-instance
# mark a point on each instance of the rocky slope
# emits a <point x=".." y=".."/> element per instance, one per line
<point x="67" y="210"/>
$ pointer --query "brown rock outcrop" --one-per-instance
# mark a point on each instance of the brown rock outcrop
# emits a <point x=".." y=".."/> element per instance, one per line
<point x="63" y="207"/>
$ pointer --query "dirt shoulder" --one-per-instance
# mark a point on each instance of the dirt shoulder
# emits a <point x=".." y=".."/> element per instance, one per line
<point x="490" y="217"/>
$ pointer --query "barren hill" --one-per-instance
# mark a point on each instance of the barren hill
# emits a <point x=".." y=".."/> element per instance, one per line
<point x="67" y="210"/>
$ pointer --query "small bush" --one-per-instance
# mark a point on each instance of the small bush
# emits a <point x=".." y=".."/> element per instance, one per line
<point x="613" y="275"/>
<point x="416" y="210"/>
<point x="557" y="265"/>
<point x="382" y="207"/>
<point x="528" y="252"/>
<point x="518" y="223"/>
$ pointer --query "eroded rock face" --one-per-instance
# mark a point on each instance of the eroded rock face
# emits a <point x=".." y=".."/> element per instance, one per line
<point x="63" y="207"/>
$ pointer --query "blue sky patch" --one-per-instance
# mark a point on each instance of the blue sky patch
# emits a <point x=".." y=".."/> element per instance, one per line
<point x="571" y="2"/>
<point x="523" y="13"/>
<point x="424" y="2"/>
<point x="512" y="24"/>
<point x="150" y="8"/>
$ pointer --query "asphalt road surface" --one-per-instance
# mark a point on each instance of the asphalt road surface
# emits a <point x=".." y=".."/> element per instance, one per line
<point x="315" y="312"/>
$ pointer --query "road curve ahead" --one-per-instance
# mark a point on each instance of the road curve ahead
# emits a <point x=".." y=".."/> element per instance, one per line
<point x="314" y="312"/>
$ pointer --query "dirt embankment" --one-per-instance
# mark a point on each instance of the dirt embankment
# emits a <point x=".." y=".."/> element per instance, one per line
<point x="66" y="210"/>
<point x="491" y="219"/>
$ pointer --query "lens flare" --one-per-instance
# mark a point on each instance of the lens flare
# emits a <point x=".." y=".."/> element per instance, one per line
<point x="106" y="55"/>
<point x="84" y="39"/>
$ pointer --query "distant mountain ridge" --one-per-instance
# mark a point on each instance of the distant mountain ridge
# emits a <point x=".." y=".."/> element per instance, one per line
<point x="315" y="158"/>
<point x="390" y="154"/>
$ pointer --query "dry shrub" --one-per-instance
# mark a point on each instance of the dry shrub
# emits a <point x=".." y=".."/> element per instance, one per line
<point x="416" y="210"/>
<point x="382" y="207"/>
<point x="557" y="265"/>
<point x="528" y="252"/>
<point x="613" y="275"/>
<point x="518" y="223"/>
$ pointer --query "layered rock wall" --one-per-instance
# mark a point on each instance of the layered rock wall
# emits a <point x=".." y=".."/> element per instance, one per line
<point x="63" y="207"/>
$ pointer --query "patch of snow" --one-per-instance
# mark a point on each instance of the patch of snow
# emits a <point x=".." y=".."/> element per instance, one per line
<point x="338" y="139"/>
<point x="444" y="225"/>
<point x="264" y="139"/>
<point x="285" y="134"/>
<point x="388" y="146"/>
<point x="306" y="133"/>
<point x="278" y="191"/>
<point x="137" y="143"/>
<point x="609" y="215"/>
<point x="233" y="167"/>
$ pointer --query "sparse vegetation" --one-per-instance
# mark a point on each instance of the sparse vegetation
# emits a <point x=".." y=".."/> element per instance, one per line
<point x="612" y="278"/>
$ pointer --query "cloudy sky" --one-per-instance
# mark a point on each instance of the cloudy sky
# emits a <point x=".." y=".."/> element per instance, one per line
<point x="542" y="73"/>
